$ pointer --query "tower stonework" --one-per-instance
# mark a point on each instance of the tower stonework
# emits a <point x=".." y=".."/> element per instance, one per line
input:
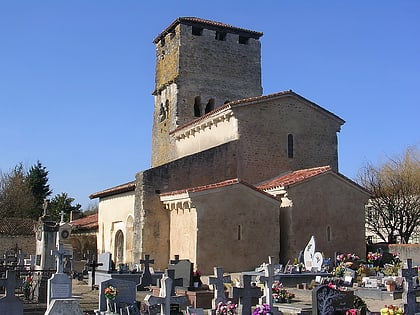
<point x="200" y="65"/>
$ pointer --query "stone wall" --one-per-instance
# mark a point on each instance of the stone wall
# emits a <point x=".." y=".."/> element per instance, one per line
<point x="151" y="220"/>
<point x="25" y="242"/>
<point x="264" y="130"/>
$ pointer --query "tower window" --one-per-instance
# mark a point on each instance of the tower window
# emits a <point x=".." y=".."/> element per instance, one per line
<point x="243" y="40"/>
<point x="197" y="105"/>
<point x="220" y="35"/>
<point x="209" y="106"/>
<point x="239" y="232"/>
<point x="328" y="233"/>
<point x="290" y="146"/>
<point x="197" y="31"/>
<point x="162" y="42"/>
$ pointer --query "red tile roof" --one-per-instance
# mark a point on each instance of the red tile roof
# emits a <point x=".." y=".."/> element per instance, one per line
<point x="130" y="186"/>
<point x="214" y="186"/>
<point x="294" y="177"/>
<point x="258" y="99"/>
<point x="208" y="24"/>
<point x="17" y="226"/>
<point x="86" y="223"/>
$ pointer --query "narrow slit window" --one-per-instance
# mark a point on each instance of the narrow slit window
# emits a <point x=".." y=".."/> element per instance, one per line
<point x="197" y="31"/>
<point x="220" y="35"/>
<point x="243" y="40"/>
<point x="328" y="233"/>
<point x="197" y="105"/>
<point x="290" y="146"/>
<point x="239" y="232"/>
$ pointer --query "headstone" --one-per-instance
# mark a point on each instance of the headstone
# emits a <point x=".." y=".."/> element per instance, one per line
<point x="170" y="273"/>
<point x="64" y="307"/>
<point x="165" y="299"/>
<point x="409" y="293"/>
<point x="10" y="304"/>
<point x="126" y="292"/>
<point x="268" y="280"/>
<point x="105" y="260"/>
<point x="327" y="300"/>
<point x="246" y="293"/>
<point x="146" y="279"/>
<point x="59" y="285"/>
<point x="183" y="270"/>
<point x="218" y="281"/>
<point x="317" y="262"/>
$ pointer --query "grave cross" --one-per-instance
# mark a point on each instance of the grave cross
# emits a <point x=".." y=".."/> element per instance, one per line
<point x="219" y="288"/>
<point x="93" y="265"/>
<point x="246" y="293"/>
<point x="268" y="279"/>
<point x="175" y="261"/>
<point x="165" y="299"/>
<point x="146" y="278"/>
<point x="10" y="283"/>
<point x="409" y="294"/>
<point x="60" y="252"/>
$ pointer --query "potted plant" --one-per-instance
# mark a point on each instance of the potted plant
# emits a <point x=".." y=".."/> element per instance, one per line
<point x="110" y="293"/>
<point x="264" y="309"/>
<point x="228" y="308"/>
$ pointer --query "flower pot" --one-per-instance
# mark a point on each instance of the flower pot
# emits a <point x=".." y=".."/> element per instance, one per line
<point x="390" y="287"/>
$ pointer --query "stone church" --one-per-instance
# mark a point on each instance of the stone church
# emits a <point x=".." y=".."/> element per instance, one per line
<point x="236" y="176"/>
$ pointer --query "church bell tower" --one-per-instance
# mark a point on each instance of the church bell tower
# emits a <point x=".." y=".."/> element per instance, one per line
<point x="200" y="65"/>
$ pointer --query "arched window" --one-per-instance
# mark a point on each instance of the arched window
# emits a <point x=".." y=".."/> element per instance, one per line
<point x="197" y="106"/>
<point x="290" y="146"/>
<point x="119" y="247"/>
<point x="210" y="106"/>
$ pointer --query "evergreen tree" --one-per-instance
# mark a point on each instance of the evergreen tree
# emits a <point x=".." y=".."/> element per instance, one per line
<point x="37" y="179"/>
<point x="62" y="202"/>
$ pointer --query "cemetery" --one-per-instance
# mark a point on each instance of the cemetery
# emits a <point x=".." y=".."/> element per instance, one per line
<point x="312" y="284"/>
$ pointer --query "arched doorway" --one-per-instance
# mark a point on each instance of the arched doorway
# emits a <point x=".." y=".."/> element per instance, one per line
<point x="119" y="248"/>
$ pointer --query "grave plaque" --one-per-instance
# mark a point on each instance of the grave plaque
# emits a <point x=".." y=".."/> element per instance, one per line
<point x="106" y="260"/>
<point x="183" y="270"/>
<point x="328" y="301"/>
<point x="126" y="292"/>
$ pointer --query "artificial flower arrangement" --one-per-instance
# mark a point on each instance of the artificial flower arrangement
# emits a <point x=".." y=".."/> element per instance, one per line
<point x="373" y="257"/>
<point x="228" y="308"/>
<point x="280" y="294"/>
<point x="110" y="292"/>
<point x="264" y="309"/>
<point x="392" y="310"/>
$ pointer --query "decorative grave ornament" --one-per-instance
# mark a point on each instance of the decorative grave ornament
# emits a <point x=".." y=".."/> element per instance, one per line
<point x="327" y="300"/>
<point x="313" y="260"/>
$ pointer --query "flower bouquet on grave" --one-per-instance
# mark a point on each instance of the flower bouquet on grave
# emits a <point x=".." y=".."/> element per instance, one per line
<point x="197" y="279"/>
<point x="110" y="293"/>
<point x="392" y="310"/>
<point x="280" y="294"/>
<point x="228" y="308"/>
<point x="264" y="309"/>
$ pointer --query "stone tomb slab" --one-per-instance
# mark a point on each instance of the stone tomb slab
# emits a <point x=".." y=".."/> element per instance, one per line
<point x="126" y="292"/>
<point x="64" y="307"/>
<point x="326" y="301"/>
<point x="59" y="287"/>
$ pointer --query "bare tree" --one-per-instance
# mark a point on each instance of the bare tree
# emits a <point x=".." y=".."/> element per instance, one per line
<point x="394" y="209"/>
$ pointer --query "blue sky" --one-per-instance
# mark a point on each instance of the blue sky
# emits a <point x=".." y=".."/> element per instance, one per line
<point x="76" y="78"/>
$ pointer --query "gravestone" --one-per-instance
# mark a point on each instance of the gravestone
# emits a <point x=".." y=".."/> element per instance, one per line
<point x="170" y="273"/>
<point x="165" y="299"/>
<point x="183" y="270"/>
<point x="93" y="265"/>
<point x="308" y="253"/>
<point x="146" y="279"/>
<point x="105" y="263"/>
<point x="268" y="279"/>
<point x="329" y="301"/>
<point x="126" y="292"/>
<point x="246" y="293"/>
<point x="10" y="304"/>
<point x="64" y="307"/>
<point x="317" y="262"/>
<point x="218" y="281"/>
<point x="59" y="285"/>
<point x="409" y="293"/>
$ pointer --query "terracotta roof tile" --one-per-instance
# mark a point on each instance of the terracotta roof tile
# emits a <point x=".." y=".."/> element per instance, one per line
<point x="294" y="177"/>
<point x="214" y="186"/>
<point x="130" y="186"/>
<point x="86" y="223"/>
<point x="209" y="24"/>
<point x="17" y="226"/>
